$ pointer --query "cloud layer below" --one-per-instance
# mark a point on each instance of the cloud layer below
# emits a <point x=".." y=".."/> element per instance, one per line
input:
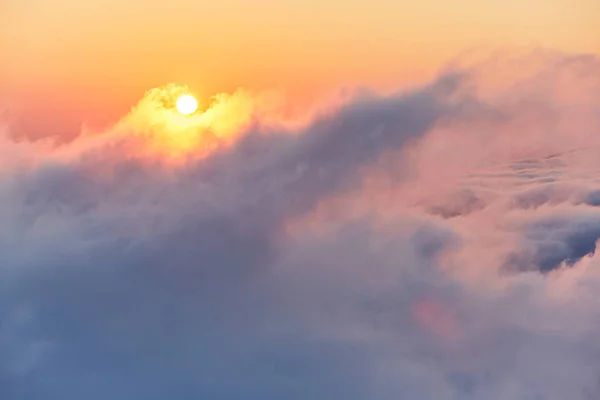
<point x="437" y="243"/>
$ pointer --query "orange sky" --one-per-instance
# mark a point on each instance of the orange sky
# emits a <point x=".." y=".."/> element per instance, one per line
<point x="65" y="61"/>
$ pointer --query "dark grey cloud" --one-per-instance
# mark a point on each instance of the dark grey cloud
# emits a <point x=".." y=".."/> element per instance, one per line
<point x="462" y="202"/>
<point x="593" y="198"/>
<point x="556" y="241"/>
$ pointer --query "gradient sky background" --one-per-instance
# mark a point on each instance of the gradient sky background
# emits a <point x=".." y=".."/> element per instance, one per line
<point x="433" y="242"/>
<point x="95" y="59"/>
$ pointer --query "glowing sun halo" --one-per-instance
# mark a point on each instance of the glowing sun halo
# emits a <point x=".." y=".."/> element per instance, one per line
<point x="186" y="104"/>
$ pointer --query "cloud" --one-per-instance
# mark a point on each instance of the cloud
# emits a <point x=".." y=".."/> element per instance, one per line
<point x="389" y="247"/>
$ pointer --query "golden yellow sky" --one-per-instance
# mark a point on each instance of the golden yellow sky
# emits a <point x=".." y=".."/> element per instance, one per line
<point x="100" y="56"/>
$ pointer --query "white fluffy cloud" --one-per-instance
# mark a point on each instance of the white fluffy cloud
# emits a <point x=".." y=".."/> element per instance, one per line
<point x="431" y="244"/>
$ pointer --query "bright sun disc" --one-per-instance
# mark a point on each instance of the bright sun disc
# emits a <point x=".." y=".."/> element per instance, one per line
<point x="187" y="104"/>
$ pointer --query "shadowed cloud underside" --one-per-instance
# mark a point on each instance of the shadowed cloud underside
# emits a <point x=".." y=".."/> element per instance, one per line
<point x="435" y="243"/>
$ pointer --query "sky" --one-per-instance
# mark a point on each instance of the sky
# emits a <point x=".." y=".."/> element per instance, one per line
<point x="95" y="59"/>
<point x="374" y="201"/>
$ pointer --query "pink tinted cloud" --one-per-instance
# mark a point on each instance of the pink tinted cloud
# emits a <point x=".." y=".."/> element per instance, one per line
<point x="438" y="243"/>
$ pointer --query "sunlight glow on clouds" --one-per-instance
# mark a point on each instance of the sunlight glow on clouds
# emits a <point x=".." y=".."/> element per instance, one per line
<point x="430" y="244"/>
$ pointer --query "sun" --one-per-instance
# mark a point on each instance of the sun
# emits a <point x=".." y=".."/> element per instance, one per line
<point x="186" y="104"/>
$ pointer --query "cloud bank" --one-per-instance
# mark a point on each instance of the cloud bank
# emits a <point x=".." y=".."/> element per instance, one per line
<point x="436" y="243"/>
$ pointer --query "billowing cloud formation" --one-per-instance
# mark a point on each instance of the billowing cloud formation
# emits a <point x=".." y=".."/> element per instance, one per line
<point x="437" y="243"/>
